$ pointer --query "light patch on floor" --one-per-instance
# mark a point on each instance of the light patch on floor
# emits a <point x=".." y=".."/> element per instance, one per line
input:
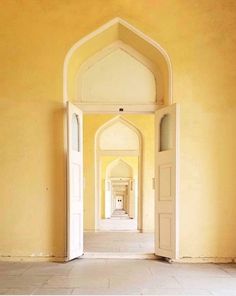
<point x="124" y="242"/>
<point x="121" y="277"/>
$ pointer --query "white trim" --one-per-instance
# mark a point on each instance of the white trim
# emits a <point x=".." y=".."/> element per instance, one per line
<point x="119" y="255"/>
<point x="118" y="152"/>
<point x="94" y="255"/>
<point x="205" y="260"/>
<point x="115" y="108"/>
<point x="32" y="259"/>
<point x="101" y="29"/>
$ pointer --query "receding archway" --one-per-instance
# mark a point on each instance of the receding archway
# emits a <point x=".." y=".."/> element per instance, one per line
<point x="153" y="64"/>
<point x="127" y="143"/>
<point x="120" y="192"/>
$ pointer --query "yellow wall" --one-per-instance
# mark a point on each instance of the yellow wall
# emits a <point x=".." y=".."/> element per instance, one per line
<point x="35" y="36"/>
<point x="145" y="124"/>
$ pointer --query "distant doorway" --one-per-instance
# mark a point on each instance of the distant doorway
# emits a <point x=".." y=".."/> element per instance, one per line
<point x="118" y="175"/>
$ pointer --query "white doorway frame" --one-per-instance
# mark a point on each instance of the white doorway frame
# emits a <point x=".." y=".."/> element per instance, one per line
<point x="119" y="108"/>
<point x="118" y="153"/>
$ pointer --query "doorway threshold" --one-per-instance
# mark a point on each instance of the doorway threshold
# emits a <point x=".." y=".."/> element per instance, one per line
<point x="118" y="255"/>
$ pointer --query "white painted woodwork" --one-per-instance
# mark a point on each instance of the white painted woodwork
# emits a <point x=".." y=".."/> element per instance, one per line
<point x="121" y="108"/>
<point x="166" y="183"/>
<point x="74" y="182"/>
<point x="165" y="133"/>
<point x="108" y="199"/>
<point x="131" y="199"/>
<point x="119" y="202"/>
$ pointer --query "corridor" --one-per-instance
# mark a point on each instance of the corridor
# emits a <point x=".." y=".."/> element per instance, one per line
<point x="119" y="242"/>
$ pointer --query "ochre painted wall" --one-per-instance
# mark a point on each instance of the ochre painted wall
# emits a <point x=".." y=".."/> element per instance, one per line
<point x="35" y="37"/>
<point x="145" y="124"/>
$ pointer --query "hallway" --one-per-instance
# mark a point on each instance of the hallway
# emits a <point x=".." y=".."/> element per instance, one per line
<point x="119" y="214"/>
<point x="119" y="242"/>
<point x="121" y="277"/>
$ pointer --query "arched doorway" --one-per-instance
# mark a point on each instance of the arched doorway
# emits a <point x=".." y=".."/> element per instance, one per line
<point x="145" y="71"/>
<point x="120" y="198"/>
<point x="126" y="147"/>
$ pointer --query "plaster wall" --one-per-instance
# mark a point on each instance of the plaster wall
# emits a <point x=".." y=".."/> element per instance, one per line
<point x="199" y="37"/>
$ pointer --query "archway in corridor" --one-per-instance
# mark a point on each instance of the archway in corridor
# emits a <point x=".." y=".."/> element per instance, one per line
<point x="119" y="70"/>
<point x="118" y="165"/>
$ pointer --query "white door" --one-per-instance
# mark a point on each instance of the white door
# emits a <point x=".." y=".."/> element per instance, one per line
<point x="108" y="201"/>
<point x="119" y="202"/>
<point x="166" y="182"/>
<point x="74" y="182"/>
<point x="131" y="199"/>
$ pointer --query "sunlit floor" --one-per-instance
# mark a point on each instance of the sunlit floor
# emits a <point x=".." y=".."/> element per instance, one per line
<point x="126" y="242"/>
<point x="120" y="277"/>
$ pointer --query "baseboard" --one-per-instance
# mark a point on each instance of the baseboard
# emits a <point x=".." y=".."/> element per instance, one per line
<point x="118" y="255"/>
<point x="205" y="260"/>
<point x="32" y="259"/>
<point x="113" y="255"/>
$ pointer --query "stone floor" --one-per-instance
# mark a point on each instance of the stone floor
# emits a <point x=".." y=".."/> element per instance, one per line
<point x="126" y="242"/>
<point x="122" y="277"/>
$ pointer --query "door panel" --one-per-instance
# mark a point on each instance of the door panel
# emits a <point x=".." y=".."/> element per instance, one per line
<point x="108" y="199"/>
<point x="74" y="182"/>
<point x="119" y="203"/>
<point x="166" y="182"/>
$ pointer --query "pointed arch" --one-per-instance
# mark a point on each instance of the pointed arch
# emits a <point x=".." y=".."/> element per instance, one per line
<point x="111" y="32"/>
<point x="113" y="122"/>
<point x="116" y="163"/>
<point x="118" y="153"/>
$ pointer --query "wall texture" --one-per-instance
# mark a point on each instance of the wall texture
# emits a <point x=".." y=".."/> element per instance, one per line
<point x="35" y="37"/>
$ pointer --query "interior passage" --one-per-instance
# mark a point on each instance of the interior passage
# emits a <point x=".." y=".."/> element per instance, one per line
<point x="126" y="242"/>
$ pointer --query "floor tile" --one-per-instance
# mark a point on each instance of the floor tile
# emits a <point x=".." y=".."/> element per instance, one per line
<point x="4" y="291"/>
<point x="21" y="291"/>
<point x="106" y="291"/>
<point x="119" y="242"/>
<point x="22" y="281"/>
<point x="177" y="291"/>
<point x="77" y="282"/>
<point x="117" y="277"/>
<point x="209" y="283"/>
<point x="53" y="291"/>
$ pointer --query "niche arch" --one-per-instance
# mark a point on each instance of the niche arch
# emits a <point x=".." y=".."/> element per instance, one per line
<point x="133" y="151"/>
<point x="119" y="33"/>
<point x="119" y="181"/>
<point x="114" y="164"/>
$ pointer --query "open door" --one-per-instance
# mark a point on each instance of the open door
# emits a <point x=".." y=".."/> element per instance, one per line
<point x="108" y="205"/>
<point x="166" y="182"/>
<point x="74" y="182"/>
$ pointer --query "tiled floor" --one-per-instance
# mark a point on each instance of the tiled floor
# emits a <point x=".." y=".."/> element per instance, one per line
<point x="106" y="276"/>
<point x="126" y="242"/>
